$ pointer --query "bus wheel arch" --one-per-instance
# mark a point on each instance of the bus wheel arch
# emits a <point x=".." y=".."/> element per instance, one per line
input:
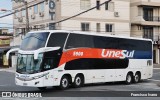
<point x="129" y="78"/>
<point x="137" y="77"/>
<point x="78" y="80"/>
<point x="65" y="81"/>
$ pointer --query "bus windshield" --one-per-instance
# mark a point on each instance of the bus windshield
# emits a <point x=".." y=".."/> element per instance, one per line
<point x="26" y="64"/>
<point x="34" y="41"/>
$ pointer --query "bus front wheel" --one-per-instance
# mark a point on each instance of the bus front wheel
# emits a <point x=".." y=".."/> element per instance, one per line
<point x="129" y="78"/>
<point x="64" y="84"/>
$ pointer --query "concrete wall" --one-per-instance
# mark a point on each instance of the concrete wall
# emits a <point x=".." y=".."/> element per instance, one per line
<point x="136" y="31"/>
<point x="102" y="16"/>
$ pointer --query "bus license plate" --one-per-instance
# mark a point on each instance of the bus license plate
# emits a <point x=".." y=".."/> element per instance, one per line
<point x="25" y="84"/>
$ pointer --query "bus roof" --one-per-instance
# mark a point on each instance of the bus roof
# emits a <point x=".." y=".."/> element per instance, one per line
<point x="90" y="33"/>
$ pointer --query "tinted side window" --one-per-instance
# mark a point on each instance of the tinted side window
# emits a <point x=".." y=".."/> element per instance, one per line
<point x="105" y="42"/>
<point x="144" y="45"/>
<point x="126" y="44"/>
<point x="57" y="39"/>
<point x="140" y="45"/>
<point x="89" y="63"/>
<point x="51" y="59"/>
<point x="79" y="40"/>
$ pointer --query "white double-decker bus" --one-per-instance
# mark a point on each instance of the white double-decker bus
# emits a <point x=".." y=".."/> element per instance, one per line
<point x="64" y="58"/>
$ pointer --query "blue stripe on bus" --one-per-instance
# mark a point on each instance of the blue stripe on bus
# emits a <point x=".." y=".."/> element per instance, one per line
<point x="142" y="55"/>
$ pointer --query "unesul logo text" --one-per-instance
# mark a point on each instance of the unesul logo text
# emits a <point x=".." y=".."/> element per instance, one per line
<point x="117" y="54"/>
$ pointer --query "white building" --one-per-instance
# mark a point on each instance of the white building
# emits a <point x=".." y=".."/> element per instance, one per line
<point x="112" y="18"/>
<point x="145" y="18"/>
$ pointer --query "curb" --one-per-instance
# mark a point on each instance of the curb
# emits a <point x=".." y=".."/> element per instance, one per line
<point x="7" y="70"/>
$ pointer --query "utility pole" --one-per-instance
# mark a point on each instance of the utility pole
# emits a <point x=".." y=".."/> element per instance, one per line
<point x="27" y="19"/>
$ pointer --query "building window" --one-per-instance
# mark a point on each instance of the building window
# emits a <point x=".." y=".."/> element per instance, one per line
<point x="52" y="26"/>
<point x="35" y="9"/>
<point x="85" y="4"/>
<point x="98" y="27"/>
<point x="148" y="14"/>
<point x="98" y="4"/>
<point x="106" y="6"/>
<point x="109" y="27"/>
<point x="23" y="13"/>
<point x="85" y="26"/>
<point x="148" y="32"/>
<point x="42" y="7"/>
<point x="109" y="6"/>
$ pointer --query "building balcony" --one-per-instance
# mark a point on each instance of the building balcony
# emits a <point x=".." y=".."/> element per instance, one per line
<point x="147" y="21"/>
<point x="141" y="3"/>
<point x="152" y="19"/>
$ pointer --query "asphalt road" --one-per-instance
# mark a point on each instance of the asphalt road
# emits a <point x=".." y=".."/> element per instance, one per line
<point x="116" y="89"/>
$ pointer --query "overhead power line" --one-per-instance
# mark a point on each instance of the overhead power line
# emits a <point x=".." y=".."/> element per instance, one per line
<point x="7" y="15"/>
<point x="82" y="12"/>
<point x="20" y="10"/>
<point x="97" y="6"/>
<point x="62" y="19"/>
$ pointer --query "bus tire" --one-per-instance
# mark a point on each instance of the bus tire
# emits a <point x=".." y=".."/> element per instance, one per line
<point x="42" y="88"/>
<point x="78" y="81"/>
<point x="64" y="83"/>
<point x="137" y="77"/>
<point x="129" y="78"/>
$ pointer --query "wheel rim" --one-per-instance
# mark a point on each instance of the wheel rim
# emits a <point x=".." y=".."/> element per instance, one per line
<point x="136" y="78"/>
<point x="78" y="81"/>
<point x="64" y="82"/>
<point x="129" y="78"/>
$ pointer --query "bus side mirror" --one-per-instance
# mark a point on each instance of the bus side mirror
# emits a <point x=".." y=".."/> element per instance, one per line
<point x="45" y="49"/>
<point x="11" y="50"/>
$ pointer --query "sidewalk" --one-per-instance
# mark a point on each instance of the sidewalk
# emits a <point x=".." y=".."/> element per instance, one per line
<point x="10" y="69"/>
<point x="156" y="66"/>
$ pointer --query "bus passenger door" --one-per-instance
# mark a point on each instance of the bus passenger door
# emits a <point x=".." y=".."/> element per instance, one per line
<point x="48" y="67"/>
<point x="48" y="78"/>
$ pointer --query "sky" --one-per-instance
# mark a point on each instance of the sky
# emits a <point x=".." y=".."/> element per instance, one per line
<point x="6" y="4"/>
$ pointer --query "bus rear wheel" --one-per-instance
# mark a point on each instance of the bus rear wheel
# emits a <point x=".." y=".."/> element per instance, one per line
<point x="137" y="77"/>
<point x="78" y="81"/>
<point x="64" y="84"/>
<point x="129" y="78"/>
